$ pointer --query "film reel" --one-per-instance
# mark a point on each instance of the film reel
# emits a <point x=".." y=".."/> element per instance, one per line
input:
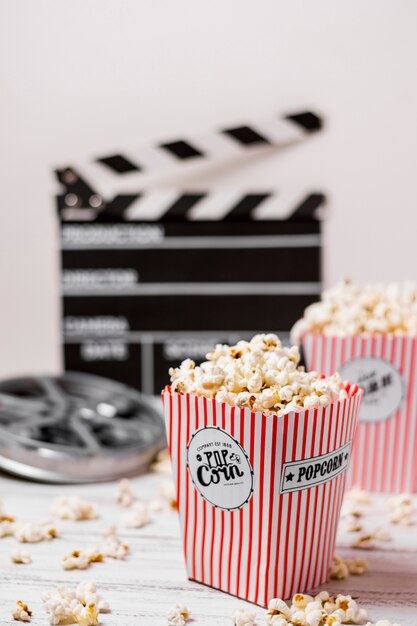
<point x="76" y="428"/>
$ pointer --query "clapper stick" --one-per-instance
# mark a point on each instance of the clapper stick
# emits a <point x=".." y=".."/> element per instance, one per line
<point x="94" y="183"/>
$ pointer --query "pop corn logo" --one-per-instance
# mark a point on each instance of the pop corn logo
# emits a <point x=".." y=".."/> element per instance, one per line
<point x="219" y="468"/>
<point x="314" y="471"/>
<point x="382" y="384"/>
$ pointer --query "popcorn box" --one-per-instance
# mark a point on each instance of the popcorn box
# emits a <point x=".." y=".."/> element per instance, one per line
<point x="385" y="452"/>
<point x="259" y="496"/>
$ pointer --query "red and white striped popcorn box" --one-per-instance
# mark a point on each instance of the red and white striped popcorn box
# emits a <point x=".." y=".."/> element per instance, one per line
<point x="385" y="452"/>
<point x="259" y="496"/>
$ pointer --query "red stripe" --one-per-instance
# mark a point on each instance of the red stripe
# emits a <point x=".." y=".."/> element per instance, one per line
<point x="260" y="505"/>
<point x="187" y="438"/>
<point x="250" y="532"/>
<point x="295" y="417"/>
<point x="170" y="425"/>
<point x="373" y="457"/>
<point x="338" y="420"/>
<point x="220" y="564"/>
<point x="319" y="547"/>
<point x="272" y="487"/>
<point x="239" y="554"/>
<point x="409" y="417"/>
<point x="179" y="446"/>
<point x="194" y="549"/>
<point x="304" y="571"/>
<point x="299" y="495"/>
<point x="204" y="521"/>
<point x="333" y="424"/>
<point x="397" y="418"/>
<point x="213" y="509"/>
<point x="231" y="513"/>
<point x="277" y="586"/>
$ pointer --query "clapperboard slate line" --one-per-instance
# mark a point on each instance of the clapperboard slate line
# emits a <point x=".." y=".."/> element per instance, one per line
<point x="150" y="278"/>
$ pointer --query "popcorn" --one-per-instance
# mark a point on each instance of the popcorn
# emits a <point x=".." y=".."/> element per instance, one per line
<point x="78" y="559"/>
<point x="403" y="512"/>
<point x="6" y="526"/>
<point x="115" y="549"/>
<point x="81" y="605"/>
<point x="162" y="463"/>
<point x="259" y="374"/>
<point x="21" y="612"/>
<point x="20" y="556"/>
<point x="341" y="569"/>
<point x="358" y="495"/>
<point x="351" y="310"/>
<point x="26" y="532"/>
<point x="178" y="615"/>
<point x="125" y="496"/>
<point x="167" y="491"/>
<point x="301" y="600"/>
<point x="86" y="615"/>
<point x="87" y="592"/>
<point x="244" y="617"/>
<point x="277" y="607"/>
<point x="73" y="508"/>
<point x="137" y="517"/>
<point x="323" y="610"/>
<point x="369" y="541"/>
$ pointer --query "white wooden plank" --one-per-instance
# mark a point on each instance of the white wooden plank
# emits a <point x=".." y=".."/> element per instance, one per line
<point x="143" y="588"/>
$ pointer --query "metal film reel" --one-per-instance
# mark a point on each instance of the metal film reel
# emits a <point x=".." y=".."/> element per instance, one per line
<point x="76" y="428"/>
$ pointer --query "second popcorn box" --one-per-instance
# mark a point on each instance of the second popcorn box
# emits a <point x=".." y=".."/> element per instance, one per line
<point x="259" y="493"/>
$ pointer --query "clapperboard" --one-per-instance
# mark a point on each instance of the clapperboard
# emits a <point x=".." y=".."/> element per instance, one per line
<point x="150" y="278"/>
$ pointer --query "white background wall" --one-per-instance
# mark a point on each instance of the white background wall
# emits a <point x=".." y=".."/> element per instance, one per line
<point x="83" y="77"/>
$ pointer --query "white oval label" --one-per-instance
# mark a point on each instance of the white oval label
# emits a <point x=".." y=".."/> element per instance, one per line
<point x="382" y="384"/>
<point x="219" y="468"/>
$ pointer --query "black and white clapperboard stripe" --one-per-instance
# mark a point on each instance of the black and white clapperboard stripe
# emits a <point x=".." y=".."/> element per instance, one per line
<point x="150" y="278"/>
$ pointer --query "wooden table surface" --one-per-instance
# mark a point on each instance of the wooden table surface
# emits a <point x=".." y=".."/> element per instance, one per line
<point x="141" y="589"/>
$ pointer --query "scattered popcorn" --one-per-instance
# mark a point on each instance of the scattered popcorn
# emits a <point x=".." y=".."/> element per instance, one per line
<point x="78" y="559"/>
<point x="125" y="496"/>
<point x="26" y="532"/>
<point x="178" y="615"/>
<point x="167" y="491"/>
<point x="73" y="508"/>
<point x="137" y="517"/>
<point x="402" y="510"/>
<point x="348" y="309"/>
<point x="323" y="610"/>
<point x="6" y="526"/>
<point x="357" y="566"/>
<point x="340" y="569"/>
<point x="81" y="605"/>
<point x="261" y="375"/>
<point x="277" y="608"/>
<point x="21" y="612"/>
<point x="301" y="600"/>
<point x="358" y="495"/>
<point x="86" y="615"/>
<point x="114" y="549"/>
<point x="87" y="592"/>
<point x="21" y="556"/>
<point x="162" y="463"/>
<point x="243" y="617"/>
